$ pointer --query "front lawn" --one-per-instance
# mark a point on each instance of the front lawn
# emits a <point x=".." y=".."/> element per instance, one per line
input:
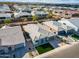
<point x="44" y="48"/>
<point x="75" y="36"/>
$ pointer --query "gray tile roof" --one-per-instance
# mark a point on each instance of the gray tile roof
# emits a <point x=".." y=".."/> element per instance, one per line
<point x="56" y="23"/>
<point x="11" y="36"/>
<point x="60" y="26"/>
<point x="75" y="21"/>
<point x="69" y="28"/>
<point x="42" y="31"/>
<point x="7" y="15"/>
<point x="37" y="30"/>
<point x="60" y="29"/>
<point x="45" y="30"/>
<point x="4" y="8"/>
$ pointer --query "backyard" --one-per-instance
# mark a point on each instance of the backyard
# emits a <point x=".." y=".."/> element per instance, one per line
<point x="76" y="37"/>
<point x="44" y="48"/>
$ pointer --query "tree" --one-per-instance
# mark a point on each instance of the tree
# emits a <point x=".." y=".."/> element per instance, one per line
<point x="49" y="14"/>
<point x="34" y="18"/>
<point x="7" y="21"/>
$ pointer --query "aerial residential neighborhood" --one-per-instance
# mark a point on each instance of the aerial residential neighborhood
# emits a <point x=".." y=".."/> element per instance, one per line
<point x="39" y="30"/>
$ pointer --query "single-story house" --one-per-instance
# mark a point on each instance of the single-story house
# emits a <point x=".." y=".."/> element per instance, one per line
<point x="74" y="23"/>
<point x="60" y="28"/>
<point x="39" y="14"/>
<point x="39" y="33"/>
<point x="4" y="8"/>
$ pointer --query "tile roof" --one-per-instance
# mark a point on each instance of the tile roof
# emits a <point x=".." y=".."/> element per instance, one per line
<point x="37" y="30"/>
<point x="4" y="8"/>
<point x="75" y="21"/>
<point x="11" y="36"/>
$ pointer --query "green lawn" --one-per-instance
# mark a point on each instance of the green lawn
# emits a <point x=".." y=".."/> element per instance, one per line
<point x="44" y="48"/>
<point x="76" y="37"/>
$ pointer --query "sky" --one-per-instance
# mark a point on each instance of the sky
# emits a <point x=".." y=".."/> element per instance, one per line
<point x="44" y="1"/>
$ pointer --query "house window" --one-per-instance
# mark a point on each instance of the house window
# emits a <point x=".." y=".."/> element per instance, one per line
<point x="46" y="39"/>
<point x="36" y="41"/>
<point x="2" y="52"/>
<point x="42" y="40"/>
<point x="9" y="48"/>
